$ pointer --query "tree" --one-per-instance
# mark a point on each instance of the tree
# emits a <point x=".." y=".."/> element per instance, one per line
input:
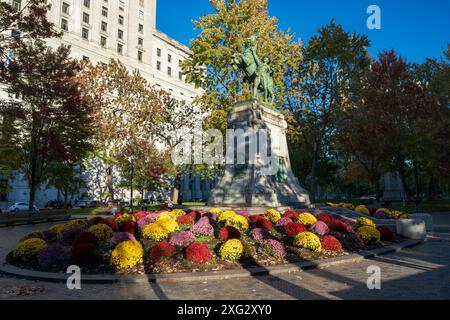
<point x="224" y="33"/>
<point x="53" y="116"/>
<point x="125" y="107"/>
<point x="321" y="87"/>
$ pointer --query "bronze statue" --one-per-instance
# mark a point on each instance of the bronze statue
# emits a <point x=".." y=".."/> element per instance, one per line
<point x="258" y="73"/>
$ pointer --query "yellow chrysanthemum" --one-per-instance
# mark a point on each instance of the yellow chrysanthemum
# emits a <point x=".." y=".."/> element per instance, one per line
<point x="272" y="215"/>
<point x="155" y="232"/>
<point x="125" y="218"/>
<point x="224" y="216"/>
<point x="178" y="212"/>
<point x="102" y="232"/>
<point x="307" y="219"/>
<point x="170" y="225"/>
<point x="166" y="215"/>
<point x="238" y="221"/>
<point x="27" y="249"/>
<point x="216" y="211"/>
<point x="364" y="222"/>
<point x="127" y="255"/>
<point x="231" y="250"/>
<point x="362" y="209"/>
<point x="368" y="234"/>
<point x="308" y="240"/>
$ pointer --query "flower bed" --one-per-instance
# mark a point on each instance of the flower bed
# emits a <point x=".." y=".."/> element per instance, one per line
<point x="179" y="241"/>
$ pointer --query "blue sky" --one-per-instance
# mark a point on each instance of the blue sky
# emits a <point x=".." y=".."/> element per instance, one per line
<point x="416" y="29"/>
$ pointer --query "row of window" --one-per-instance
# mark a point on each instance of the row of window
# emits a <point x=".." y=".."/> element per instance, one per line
<point x="169" y="70"/>
<point x="87" y="4"/>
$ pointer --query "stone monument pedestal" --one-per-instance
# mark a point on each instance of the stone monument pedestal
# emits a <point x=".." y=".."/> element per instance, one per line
<point x="248" y="185"/>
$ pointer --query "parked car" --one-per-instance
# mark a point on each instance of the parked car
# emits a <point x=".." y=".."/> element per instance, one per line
<point x="90" y="204"/>
<point x="21" y="206"/>
<point x="369" y="197"/>
<point x="56" y="204"/>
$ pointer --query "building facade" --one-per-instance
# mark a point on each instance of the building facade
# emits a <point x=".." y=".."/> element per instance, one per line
<point x="100" y="30"/>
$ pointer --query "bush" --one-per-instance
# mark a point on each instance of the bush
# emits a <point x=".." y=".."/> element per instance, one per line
<point x="260" y="235"/>
<point x="275" y="248"/>
<point x="263" y="223"/>
<point x="385" y="233"/>
<point x="102" y="232"/>
<point x="320" y="228"/>
<point x="331" y="243"/>
<point x="350" y="241"/>
<point x="308" y="240"/>
<point x="127" y="226"/>
<point x="155" y="232"/>
<point x="86" y="238"/>
<point x="369" y="235"/>
<point x="69" y="236"/>
<point x="238" y="222"/>
<point x="186" y="220"/>
<point x="77" y="224"/>
<point x="340" y="225"/>
<point x="125" y="218"/>
<point x="224" y="216"/>
<point x="198" y="253"/>
<point x="110" y="223"/>
<point x="170" y="225"/>
<point x="84" y="255"/>
<point x="139" y="215"/>
<point x="363" y="210"/>
<point x="272" y="215"/>
<point x="182" y="239"/>
<point x="307" y="219"/>
<point x="380" y="215"/>
<point x="49" y="235"/>
<point x="160" y="250"/>
<point x="294" y="228"/>
<point x="150" y="218"/>
<point x="364" y="222"/>
<point x="59" y="229"/>
<point x="227" y="233"/>
<point x="203" y="227"/>
<point x="283" y="221"/>
<point x="165" y="215"/>
<point x="216" y="211"/>
<point x="178" y="212"/>
<point x="232" y="250"/>
<point x="121" y="237"/>
<point x="127" y="255"/>
<point x="252" y="219"/>
<point x="51" y="255"/>
<point x="27" y="249"/>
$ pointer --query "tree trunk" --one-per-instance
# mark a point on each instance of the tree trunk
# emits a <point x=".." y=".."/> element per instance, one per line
<point x="131" y="186"/>
<point x="110" y="183"/>
<point x="417" y="182"/>
<point x="32" y="184"/>
<point x="376" y="185"/>
<point x="313" y="191"/>
<point x="176" y="189"/>
<point x="66" y="192"/>
<point x="431" y="189"/>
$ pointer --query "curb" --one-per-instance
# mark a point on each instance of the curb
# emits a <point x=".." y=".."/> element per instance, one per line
<point x="210" y="275"/>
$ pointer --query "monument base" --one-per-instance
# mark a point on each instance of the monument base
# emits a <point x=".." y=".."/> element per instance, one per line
<point x="245" y="186"/>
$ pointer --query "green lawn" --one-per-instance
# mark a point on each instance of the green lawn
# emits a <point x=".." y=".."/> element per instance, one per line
<point x="425" y="206"/>
<point x="194" y="204"/>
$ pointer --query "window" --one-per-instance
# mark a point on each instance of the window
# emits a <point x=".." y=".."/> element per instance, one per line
<point x="141" y="28"/>
<point x="119" y="48"/>
<point x="121" y="20"/>
<point x="85" y="17"/>
<point x="140" y="55"/>
<point x="104" y="26"/>
<point x="87" y="3"/>
<point x="141" y="14"/>
<point x="141" y="3"/>
<point x="105" y="12"/>
<point x="140" y="41"/>
<point x="169" y="58"/>
<point x="17" y="5"/>
<point x="158" y="52"/>
<point x="103" y="41"/>
<point x="121" y="5"/>
<point x="158" y="65"/>
<point x="180" y="63"/>
<point x="180" y="75"/>
<point x="85" y="33"/>
<point x="85" y="58"/>
<point x="120" y="34"/>
<point x="169" y="71"/>
<point x="64" y="25"/>
<point x="65" y="8"/>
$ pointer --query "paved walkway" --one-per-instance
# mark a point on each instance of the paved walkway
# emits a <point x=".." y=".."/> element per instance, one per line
<point x="422" y="272"/>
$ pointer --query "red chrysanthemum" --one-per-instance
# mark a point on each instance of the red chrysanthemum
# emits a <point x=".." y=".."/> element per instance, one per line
<point x="86" y="254"/>
<point x="263" y="223"/>
<point x="340" y="225"/>
<point x="97" y="220"/>
<point x="290" y="214"/>
<point x="325" y="218"/>
<point x="117" y="215"/>
<point x="254" y="218"/>
<point x="228" y="233"/>
<point x="331" y="243"/>
<point x="140" y="215"/>
<point x="195" y="215"/>
<point x="187" y="219"/>
<point x="162" y="249"/>
<point x="385" y="233"/>
<point x="85" y="238"/>
<point x="294" y="228"/>
<point x="111" y="223"/>
<point x="198" y="253"/>
<point x="128" y="226"/>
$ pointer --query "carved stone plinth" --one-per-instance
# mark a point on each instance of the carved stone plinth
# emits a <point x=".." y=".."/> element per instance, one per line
<point x="248" y="185"/>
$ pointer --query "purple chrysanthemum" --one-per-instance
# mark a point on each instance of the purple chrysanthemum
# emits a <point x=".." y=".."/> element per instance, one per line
<point x="121" y="237"/>
<point x="244" y="213"/>
<point x="380" y="215"/>
<point x="182" y="239"/>
<point x="320" y="228"/>
<point x="51" y="255"/>
<point x="203" y="227"/>
<point x="283" y="221"/>
<point x="212" y="219"/>
<point x="275" y="248"/>
<point x="148" y="219"/>
<point x="260" y="235"/>
<point x="50" y="235"/>
<point x="70" y="235"/>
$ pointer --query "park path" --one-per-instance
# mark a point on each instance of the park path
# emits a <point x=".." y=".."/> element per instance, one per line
<point x="421" y="272"/>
